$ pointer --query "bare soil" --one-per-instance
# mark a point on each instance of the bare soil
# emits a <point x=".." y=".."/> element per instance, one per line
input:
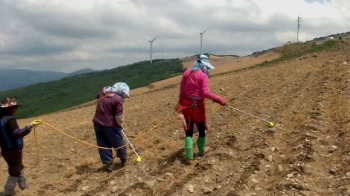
<point x="307" y="152"/>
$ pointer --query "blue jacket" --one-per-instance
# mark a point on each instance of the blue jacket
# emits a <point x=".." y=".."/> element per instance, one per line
<point x="11" y="136"/>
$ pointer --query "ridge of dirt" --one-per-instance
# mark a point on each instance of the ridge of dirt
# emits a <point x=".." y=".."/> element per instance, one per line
<point x="307" y="152"/>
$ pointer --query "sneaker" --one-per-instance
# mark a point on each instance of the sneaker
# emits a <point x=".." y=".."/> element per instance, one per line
<point x="207" y="149"/>
<point x="109" y="167"/>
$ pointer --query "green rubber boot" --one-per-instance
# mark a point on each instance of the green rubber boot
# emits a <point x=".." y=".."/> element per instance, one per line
<point x="189" y="148"/>
<point x="201" y="145"/>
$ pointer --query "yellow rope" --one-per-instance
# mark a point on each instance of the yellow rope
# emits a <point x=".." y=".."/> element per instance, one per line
<point x="81" y="141"/>
<point x="37" y="151"/>
<point x="92" y="145"/>
<point x="161" y="122"/>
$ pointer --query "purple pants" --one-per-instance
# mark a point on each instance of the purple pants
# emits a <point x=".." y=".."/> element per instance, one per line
<point x="13" y="158"/>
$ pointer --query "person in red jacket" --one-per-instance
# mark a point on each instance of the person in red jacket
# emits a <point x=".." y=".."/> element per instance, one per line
<point x="193" y="90"/>
<point x="11" y="143"/>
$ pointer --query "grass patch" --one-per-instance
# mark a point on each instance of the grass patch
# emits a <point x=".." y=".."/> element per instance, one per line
<point x="295" y="50"/>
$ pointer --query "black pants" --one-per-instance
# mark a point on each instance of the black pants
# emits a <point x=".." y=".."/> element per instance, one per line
<point x="13" y="158"/>
<point x="201" y="129"/>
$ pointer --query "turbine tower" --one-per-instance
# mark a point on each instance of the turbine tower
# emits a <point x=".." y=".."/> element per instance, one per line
<point x="201" y="34"/>
<point x="150" y="47"/>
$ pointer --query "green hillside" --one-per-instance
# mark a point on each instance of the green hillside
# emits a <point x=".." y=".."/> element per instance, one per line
<point x="68" y="92"/>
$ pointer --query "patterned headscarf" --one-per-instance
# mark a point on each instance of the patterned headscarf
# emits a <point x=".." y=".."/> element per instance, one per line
<point x="121" y="89"/>
<point x="202" y="63"/>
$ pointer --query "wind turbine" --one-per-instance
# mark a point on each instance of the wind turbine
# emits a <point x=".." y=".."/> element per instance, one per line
<point x="150" y="47"/>
<point x="202" y="33"/>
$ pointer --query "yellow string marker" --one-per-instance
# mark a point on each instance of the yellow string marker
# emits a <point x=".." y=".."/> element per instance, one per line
<point x="138" y="159"/>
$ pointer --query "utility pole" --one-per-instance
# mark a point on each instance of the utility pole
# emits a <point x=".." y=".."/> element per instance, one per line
<point x="299" y="20"/>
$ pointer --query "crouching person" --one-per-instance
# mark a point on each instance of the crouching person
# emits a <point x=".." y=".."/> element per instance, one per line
<point x="108" y="123"/>
<point x="193" y="91"/>
<point x="11" y="143"/>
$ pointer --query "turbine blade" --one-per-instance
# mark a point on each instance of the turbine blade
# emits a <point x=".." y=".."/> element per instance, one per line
<point x="155" y="38"/>
<point x="148" y="38"/>
<point x="197" y="30"/>
<point x="206" y="30"/>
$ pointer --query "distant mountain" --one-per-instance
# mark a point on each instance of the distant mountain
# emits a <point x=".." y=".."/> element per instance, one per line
<point x="17" y="78"/>
<point x="79" y="72"/>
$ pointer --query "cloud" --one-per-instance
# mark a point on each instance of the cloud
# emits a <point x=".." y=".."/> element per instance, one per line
<point x="321" y="1"/>
<point x="34" y="46"/>
<point x="102" y="34"/>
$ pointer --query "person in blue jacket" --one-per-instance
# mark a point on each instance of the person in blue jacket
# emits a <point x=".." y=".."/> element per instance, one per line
<point x="11" y="143"/>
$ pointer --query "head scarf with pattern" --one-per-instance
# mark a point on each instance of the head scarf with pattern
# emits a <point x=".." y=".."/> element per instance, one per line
<point x="121" y="89"/>
<point x="202" y="63"/>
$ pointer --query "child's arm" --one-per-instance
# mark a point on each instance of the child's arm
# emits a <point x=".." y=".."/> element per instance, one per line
<point x="12" y="125"/>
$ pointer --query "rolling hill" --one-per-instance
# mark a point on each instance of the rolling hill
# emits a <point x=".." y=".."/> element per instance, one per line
<point x="18" y="78"/>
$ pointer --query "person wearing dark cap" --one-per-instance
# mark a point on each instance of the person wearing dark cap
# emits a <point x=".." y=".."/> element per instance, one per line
<point x="11" y="143"/>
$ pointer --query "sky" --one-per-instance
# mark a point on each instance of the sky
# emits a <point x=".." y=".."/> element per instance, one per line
<point x="70" y="35"/>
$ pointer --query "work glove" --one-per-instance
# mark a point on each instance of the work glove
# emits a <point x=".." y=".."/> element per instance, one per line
<point x="220" y="100"/>
<point x="34" y="123"/>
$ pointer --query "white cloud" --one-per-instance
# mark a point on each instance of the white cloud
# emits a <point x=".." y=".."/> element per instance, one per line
<point x="70" y="35"/>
